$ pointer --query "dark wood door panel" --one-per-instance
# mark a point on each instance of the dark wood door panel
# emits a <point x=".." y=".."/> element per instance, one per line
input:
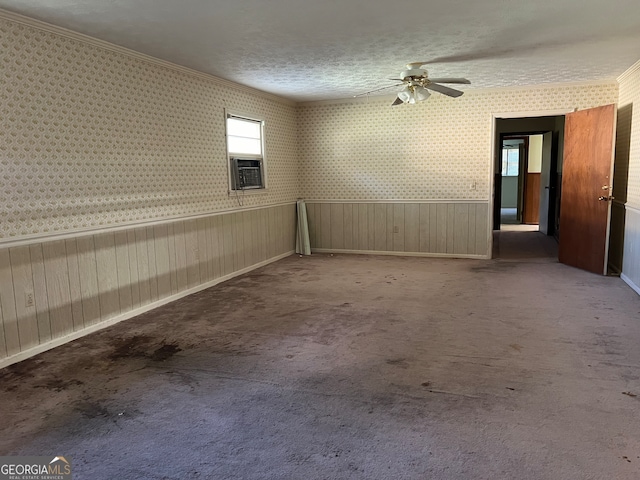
<point x="531" y="213"/>
<point x="588" y="157"/>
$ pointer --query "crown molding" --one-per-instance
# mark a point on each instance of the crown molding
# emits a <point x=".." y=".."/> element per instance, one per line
<point x="351" y="100"/>
<point x="386" y="201"/>
<point x="86" y="39"/>
<point x="542" y="86"/>
<point x="468" y="91"/>
<point x="534" y="113"/>
<point x="629" y="71"/>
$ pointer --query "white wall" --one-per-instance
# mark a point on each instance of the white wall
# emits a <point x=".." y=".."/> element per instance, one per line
<point x="535" y="154"/>
<point x="509" y="197"/>
<point x="626" y="186"/>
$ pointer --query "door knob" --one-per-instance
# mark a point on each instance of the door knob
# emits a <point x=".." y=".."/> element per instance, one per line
<point x="608" y="198"/>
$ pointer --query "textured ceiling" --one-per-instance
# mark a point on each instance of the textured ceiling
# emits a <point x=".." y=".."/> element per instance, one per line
<point x="329" y="49"/>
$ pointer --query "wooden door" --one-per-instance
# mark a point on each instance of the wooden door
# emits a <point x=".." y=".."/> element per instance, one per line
<point x="585" y="206"/>
<point x="531" y="213"/>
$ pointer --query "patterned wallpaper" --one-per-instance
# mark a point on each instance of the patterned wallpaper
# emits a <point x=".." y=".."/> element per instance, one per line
<point x="92" y="138"/>
<point x="438" y="149"/>
<point x="628" y="141"/>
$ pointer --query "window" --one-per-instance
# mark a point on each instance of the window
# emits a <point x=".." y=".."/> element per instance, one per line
<point x="510" y="162"/>
<point x="245" y="147"/>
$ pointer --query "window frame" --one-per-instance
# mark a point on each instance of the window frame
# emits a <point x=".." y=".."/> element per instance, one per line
<point x="505" y="162"/>
<point x="248" y="156"/>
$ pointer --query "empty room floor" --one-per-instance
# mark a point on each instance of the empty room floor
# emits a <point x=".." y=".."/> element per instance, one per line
<point x="347" y="366"/>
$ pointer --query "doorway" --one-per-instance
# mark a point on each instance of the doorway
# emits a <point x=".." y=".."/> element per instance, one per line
<point x="520" y="170"/>
<point x="527" y="180"/>
<point x="528" y="172"/>
<point x="582" y="151"/>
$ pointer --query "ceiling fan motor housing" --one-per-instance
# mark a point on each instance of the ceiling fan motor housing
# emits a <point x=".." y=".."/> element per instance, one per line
<point x="414" y="72"/>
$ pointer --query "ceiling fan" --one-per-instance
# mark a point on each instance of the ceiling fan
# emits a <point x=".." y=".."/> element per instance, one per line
<point x="417" y="84"/>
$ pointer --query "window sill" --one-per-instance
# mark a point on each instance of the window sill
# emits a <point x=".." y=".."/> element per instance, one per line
<point x="246" y="193"/>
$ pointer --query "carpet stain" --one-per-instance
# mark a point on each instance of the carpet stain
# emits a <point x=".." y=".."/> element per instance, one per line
<point x="24" y="369"/>
<point x="92" y="410"/>
<point x="129" y="347"/>
<point x="165" y="352"/>
<point x="142" y="346"/>
<point x="493" y="267"/>
<point x="59" y="384"/>
<point x="398" y="362"/>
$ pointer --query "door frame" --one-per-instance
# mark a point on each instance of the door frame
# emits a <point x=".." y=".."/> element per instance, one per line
<point x="523" y="165"/>
<point x="494" y="119"/>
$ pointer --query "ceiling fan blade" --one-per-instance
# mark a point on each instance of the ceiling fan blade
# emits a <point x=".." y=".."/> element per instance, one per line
<point x="377" y="90"/>
<point x="444" y="90"/>
<point x="397" y="101"/>
<point x="451" y="80"/>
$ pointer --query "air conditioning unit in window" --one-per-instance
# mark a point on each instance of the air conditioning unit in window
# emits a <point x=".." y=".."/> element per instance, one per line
<point x="246" y="174"/>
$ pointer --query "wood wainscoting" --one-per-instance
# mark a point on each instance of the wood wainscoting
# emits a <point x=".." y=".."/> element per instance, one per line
<point x="531" y="208"/>
<point x="54" y="291"/>
<point x="452" y="229"/>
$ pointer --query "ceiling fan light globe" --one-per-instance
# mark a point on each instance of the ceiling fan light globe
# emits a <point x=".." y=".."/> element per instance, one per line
<point x="421" y="94"/>
<point x="405" y="95"/>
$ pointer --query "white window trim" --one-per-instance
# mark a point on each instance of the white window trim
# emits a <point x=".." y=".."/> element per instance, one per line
<point x="263" y="157"/>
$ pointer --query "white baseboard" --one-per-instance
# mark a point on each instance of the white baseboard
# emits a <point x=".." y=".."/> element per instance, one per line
<point x="630" y="282"/>
<point x="18" y="357"/>
<point x="401" y="254"/>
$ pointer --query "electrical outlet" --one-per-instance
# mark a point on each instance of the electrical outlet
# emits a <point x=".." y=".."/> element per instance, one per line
<point x="396" y="229"/>
<point x="28" y="299"/>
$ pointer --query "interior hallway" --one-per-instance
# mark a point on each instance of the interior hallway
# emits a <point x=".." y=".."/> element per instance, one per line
<point x="351" y="366"/>
<point x="524" y="243"/>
